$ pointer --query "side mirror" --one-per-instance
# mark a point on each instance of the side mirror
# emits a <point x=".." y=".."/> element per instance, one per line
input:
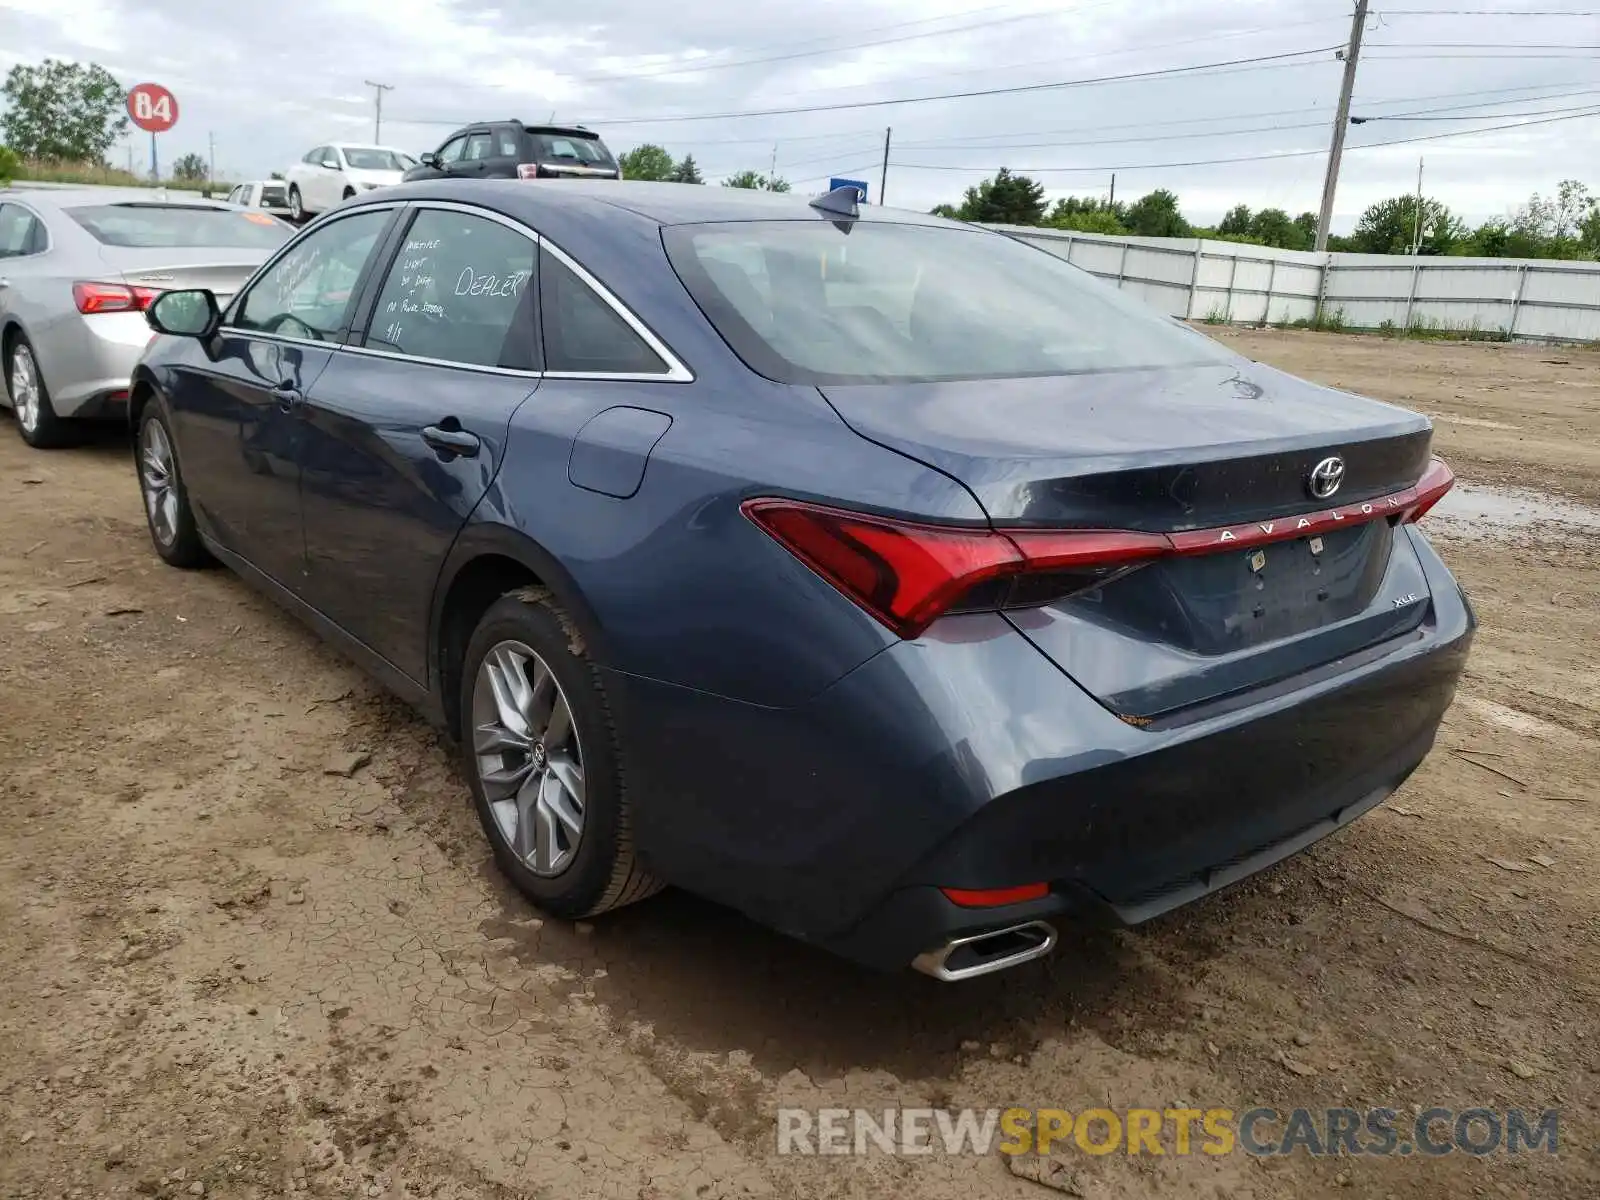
<point x="430" y="159"/>
<point x="192" y="313"/>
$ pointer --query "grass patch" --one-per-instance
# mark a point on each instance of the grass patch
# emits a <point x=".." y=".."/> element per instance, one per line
<point x="101" y="174"/>
<point x="1427" y="329"/>
<point x="1323" y="322"/>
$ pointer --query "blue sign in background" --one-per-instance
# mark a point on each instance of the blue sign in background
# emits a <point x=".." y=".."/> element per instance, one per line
<point x="855" y="183"/>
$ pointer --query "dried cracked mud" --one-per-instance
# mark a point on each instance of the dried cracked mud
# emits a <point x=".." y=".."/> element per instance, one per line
<point x="254" y="946"/>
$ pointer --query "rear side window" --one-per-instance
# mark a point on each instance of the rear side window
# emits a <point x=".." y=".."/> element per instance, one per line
<point x="458" y="291"/>
<point x="582" y="333"/>
<point x="307" y="292"/>
<point x="20" y="232"/>
<point x="818" y="302"/>
<point x="479" y="145"/>
<point x="158" y="226"/>
<point x="509" y="145"/>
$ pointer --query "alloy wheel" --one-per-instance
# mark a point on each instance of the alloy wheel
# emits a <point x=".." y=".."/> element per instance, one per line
<point x="529" y="757"/>
<point x="25" y="388"/>
<point x="159" y="476"/>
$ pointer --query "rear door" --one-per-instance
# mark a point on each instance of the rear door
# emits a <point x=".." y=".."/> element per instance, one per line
<point x="405" y="432"/>
<point x="238" y="410"/>
<point x="505" y="152"/>
<point x="477" y="154"/>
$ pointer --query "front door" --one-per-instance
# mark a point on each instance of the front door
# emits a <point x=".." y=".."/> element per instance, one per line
<point x="405" y="436"/>
<point x="239" y="412"/>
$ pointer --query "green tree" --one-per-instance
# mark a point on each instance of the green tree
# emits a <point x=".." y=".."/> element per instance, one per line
<point x="756" y="181"/>
<point x="1157" y="215"/>
<point x="1306" y="223"/>
<point x="1087" y="214"/>
<point x="9" y="164"/>
<point x="1274" y="227"/>
<point x="1389" y="227"/>
<point x="62" y="111"/>
<point x="686" y="171"/>
<point x="190" y="167"/>
<point x="276" y="175"/>
<point x="1098" y="220"/>
<point x="1006" y="199"/>
<point x="1236" y="223"/>
<point x="647" y="162"/>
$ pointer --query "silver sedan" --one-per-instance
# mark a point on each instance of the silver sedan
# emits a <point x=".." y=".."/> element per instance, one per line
<point x="78" y="267"/>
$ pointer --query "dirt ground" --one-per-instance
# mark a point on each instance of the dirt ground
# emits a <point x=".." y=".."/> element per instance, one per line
<point x="232" y="972"/>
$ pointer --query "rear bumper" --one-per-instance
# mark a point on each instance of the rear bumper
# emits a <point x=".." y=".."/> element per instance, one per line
<point x="966" y="759"/>
<point x="87" y="362"/>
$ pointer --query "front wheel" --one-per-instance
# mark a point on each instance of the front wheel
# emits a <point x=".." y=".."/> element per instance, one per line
<point x="542" y="756"/>
<point x="166" y="501"/>
<point x="297" y="208"/>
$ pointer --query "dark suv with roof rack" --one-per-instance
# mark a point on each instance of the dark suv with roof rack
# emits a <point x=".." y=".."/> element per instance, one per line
<point x="512" y="150"/>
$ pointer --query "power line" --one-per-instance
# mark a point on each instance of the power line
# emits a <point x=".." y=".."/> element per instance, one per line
<point x="1212" y="133"/>
<point x="993" y="141"/>
<point x="1482" y="12"/>
<point x="1538" y="112"/>
<point x="1209" y="162"/>
<point x="1479" y="46"/>
<point x="1017" y="89"/>
<point x="692" y="68"/>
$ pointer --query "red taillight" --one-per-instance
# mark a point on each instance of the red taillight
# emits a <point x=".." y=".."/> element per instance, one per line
<point x="903" y="574"/>
<point x="1431" y="488"/>
<point x="527" y="170"/>
<point x="994" y="897"/>
<point x="112" y="297"/>
<point x="907" y="575"/>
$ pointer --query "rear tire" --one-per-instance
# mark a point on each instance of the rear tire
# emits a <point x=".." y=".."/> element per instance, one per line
<point x="166" y="501"/>
<point x="30" y="399"/>
<point x="541" y="754"/>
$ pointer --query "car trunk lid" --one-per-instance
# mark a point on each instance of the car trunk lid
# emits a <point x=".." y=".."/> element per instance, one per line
<point x="1267" y="580"/>
<point x="172" y="270"/>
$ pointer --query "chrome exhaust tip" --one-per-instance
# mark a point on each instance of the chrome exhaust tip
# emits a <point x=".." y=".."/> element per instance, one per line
<point x="987" y="952"/>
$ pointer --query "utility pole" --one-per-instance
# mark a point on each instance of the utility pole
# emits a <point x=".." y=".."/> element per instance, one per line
<point x="1112" y="203"/>
<point x="1340" y="123"/>
<point x="211" y="145"/>
<point x="772" y="173"/>
<point x="883" y="178"/>
<point x="1416" y="241"/>
<point x="378" y="89"/>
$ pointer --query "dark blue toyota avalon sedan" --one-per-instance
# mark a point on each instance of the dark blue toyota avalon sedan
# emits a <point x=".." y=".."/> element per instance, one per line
<point x="885" y="578"/>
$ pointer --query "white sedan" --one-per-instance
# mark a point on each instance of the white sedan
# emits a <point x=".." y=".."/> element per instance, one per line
<point x="333" y="173"/>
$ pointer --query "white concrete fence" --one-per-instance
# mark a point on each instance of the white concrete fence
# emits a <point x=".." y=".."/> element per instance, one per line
<point x="1528" y="299"/>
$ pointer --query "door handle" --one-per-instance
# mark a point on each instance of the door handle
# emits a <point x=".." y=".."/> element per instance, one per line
<point x="452" y="441"/>
<point x="288" y="397"/>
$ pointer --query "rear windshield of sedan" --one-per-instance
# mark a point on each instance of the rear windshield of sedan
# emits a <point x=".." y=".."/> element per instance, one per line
<point x="819" y="302"/>
<point x="158" y="226"/>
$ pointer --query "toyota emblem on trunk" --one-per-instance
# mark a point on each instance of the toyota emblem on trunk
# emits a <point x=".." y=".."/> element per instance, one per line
<point x="1325" y="478"/>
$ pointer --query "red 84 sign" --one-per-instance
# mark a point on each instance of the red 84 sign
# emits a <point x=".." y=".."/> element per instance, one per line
<point x="152" y="108"/>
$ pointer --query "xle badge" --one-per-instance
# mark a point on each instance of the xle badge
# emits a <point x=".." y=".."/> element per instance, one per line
<point x="1258" y="560"/>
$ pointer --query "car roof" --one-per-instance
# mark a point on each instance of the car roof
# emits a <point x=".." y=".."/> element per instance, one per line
<point x="662" y="203"/>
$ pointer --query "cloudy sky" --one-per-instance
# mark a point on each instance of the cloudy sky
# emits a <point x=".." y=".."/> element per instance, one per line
<point x="271" y="80"/>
